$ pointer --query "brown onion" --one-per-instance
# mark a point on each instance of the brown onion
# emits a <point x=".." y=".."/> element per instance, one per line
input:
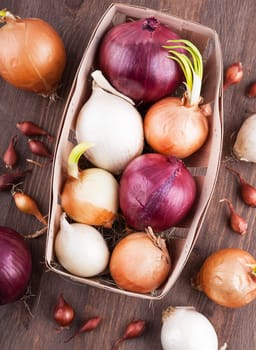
<point x="140" y="262"/>
<point x="228" y="278"/>
<point x="32" y="55"/>
<point x="174" y="127"/>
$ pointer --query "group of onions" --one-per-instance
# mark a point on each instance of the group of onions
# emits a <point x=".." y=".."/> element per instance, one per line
<point x="154" y="190"/>
<point x="33" y="58"/>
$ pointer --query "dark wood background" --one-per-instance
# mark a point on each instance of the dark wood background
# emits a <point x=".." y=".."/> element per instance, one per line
<point x="20" y="329"/>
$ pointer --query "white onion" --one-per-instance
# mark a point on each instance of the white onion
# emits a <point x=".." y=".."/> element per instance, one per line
<point x="245" y="144"/>
<point x="81" y="249"/>
<point x="112" y="124"/>
<point x="184" y="328"/>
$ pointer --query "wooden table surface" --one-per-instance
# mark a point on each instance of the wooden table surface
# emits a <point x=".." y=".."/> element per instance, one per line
<point x="33" y="327"/>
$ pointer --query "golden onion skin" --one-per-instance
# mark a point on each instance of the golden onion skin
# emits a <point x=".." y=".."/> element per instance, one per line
<point x="32" y="56"/>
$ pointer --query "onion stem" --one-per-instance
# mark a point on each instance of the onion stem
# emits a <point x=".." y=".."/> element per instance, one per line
<point x="253" y="267"/>
<point x="6" y="14"/>
<point x="74" y="157"/>
<point x="191" y="67"/>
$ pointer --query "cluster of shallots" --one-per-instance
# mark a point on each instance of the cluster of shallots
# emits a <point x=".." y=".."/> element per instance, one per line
<point x="220" y="272"/>
<point x="182" y="327"/>
<point x="64" y="315"/>
<point x="11" y="179"/>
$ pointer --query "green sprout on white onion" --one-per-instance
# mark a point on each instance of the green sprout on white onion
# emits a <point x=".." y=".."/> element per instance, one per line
<point x="192" y="68"/>
<point x="74" y="156"/>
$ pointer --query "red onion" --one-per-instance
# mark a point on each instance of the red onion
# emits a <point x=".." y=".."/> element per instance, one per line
<point x="132" y="58"/>
<point x="15" y="265"/>
<point x="156" y="191"/>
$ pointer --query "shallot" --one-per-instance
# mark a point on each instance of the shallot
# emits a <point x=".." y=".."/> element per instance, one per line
<point x="251" y="91"/>
<point x="237" y="223"/>
<point x="133" y="330"/>
<point x="39" y="148"/>
<point x="29" y="128"/>
<point x="10" y="157"/>
<point x="233" y="74"/>
<point x="88" y="326"/>
<point x="26" y="204"/>
<point x="248" y="192"/>
<point x="7" y="180"/>
<point x="63" y="312"/>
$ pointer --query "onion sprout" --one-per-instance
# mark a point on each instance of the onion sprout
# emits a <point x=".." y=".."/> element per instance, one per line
<point x="6" y="14"/>
<point x="74" y="157"/>
<point x="192" y="68"/>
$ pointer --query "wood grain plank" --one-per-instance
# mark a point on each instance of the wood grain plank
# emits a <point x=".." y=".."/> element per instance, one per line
<point x="75" y="21"/>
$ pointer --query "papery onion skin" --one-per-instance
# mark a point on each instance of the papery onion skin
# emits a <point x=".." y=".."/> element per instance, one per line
<point x="81" y="249"/>
<point x="115" y="128"/>
<point x="156" y="191"/>
<point x="245" y="143"/>
<point x="138" y="265"/>
<point x="132" y="58"/>
<point x="92" y="198"/>
<point x="33" y="56"/>
<point x="15" y="265"/>
<point x="173" y="127"/>
<point x="184" y="328"/>
<point x="226" y="277"/>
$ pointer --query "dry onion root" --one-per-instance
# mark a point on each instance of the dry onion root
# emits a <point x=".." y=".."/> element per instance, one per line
<point x="32" y="55"/>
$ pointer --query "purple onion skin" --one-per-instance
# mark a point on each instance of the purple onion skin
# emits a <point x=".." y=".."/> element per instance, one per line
<point x="156" y="191"/>
<point x="15" y="265"/>
<point x="132" y="58"/>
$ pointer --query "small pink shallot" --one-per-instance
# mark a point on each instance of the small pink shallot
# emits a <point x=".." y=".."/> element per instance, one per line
<point x="63" y="312"/>
<point x="7" y="180"/>
<point x="29" y="128"/>
<point x="88" y="326"/>
<point x="39" y="148"/>
<point x="251" y="91"/>
<point x="10" y="157"/>
<point x="134" y="329"/>
<point x="237" y="223"/>
<point x="233" y="74"/>
<point x="248" y="192"/>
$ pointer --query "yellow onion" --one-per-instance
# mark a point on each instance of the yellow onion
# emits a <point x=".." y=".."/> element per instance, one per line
<point x="228" y="278"/>
<point x="174" y="127"/>
<point x="32" y="55"/>
<point x="140" y="262"/>
<point x="179" y="126"/>
<point x="89" y="196"/>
